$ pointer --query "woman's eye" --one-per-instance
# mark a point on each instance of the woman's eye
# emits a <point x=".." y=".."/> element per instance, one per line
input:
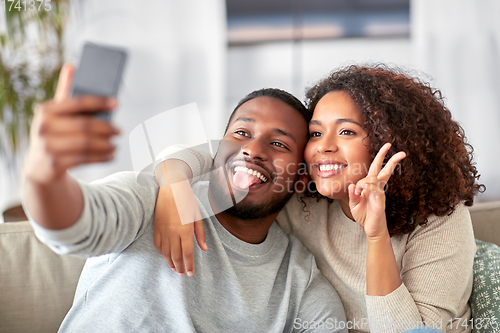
<point x="315" y="134"/>
<point x="347" y="132"/>
<point x="243" y="133"/>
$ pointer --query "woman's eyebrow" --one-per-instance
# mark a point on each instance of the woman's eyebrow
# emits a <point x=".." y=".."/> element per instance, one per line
<point x="338" y="121"/>
<point x="348" y="120"/>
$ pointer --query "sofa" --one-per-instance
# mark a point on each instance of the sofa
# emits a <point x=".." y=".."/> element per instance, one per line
<point x="37" y="285"/>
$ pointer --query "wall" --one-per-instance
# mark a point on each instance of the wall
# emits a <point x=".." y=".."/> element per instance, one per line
<point x="453" y="45"/>
<point x="177" y="55"/>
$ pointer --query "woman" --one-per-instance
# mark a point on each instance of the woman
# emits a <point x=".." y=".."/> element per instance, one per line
<point x="408" y="260"/>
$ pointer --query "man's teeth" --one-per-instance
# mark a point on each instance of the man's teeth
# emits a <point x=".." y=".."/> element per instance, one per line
<point x="328" y="167"/>
<point x="251" y="172"/>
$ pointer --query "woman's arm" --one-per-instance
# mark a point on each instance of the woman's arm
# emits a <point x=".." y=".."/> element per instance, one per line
<point x="367" y="207"/>
<point x="436" y="273"/>
<point x="177" y="215"/>
<point x="428" y="288"/>
<point x="197" y="161"/>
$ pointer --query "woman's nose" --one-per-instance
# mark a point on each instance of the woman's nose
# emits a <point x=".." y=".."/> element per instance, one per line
<point x="328" y="144"/>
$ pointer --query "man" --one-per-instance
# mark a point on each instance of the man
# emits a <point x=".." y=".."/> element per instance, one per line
<point x="254" y="277"/>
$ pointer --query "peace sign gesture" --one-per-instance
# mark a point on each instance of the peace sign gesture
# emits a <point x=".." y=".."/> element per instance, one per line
<point x="367" y="197"/>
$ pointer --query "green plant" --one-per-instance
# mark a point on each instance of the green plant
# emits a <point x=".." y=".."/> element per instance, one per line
<point x="31" y="56"/>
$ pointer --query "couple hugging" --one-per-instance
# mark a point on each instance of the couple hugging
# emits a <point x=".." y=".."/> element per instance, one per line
<point x="389" y="240"/>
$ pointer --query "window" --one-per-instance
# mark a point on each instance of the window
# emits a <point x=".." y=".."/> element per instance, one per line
<point x="259" y="21"/>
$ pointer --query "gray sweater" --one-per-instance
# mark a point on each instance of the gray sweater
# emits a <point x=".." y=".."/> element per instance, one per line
<point x="126" y="286"/>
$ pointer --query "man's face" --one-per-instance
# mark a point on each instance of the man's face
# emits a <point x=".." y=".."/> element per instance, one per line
<point x="259" y="158"/>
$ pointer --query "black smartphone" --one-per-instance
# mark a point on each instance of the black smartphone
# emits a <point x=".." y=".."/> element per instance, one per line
<point x="99" y="73"/>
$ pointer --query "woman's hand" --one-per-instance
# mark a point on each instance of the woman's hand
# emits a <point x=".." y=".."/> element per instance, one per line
<point x="367" y="197"/>
<point x="177" y="217"/>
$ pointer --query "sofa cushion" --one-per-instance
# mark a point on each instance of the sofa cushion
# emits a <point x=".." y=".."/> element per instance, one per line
<point x="36" y="285"/>
<point x="485" y="297"/>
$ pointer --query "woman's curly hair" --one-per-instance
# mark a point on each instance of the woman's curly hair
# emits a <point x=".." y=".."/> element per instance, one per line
<point x="438" y="171"/>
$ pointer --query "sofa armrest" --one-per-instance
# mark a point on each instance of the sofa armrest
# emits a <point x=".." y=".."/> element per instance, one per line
<point x="486" y="221"/>
<point x="37" y="286"/>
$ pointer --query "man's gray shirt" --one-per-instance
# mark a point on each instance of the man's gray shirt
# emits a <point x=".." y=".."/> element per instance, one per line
<point x="126" y="285"/>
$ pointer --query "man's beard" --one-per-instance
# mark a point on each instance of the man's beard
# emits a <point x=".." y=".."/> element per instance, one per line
<point x="243" y="210"/>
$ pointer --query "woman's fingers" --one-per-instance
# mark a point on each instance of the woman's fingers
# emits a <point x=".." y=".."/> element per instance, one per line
<point x="177" y="257"/>
<point x="376" y="189"/>
<point x="369" y="182"/>
<point x="377" y="176"/>
<point x="163" y="227"/>
<point x="167" y="253"/>
<point x="354" y="198"/>
<point x="391" y="165"/>
<point x="376" y="165"/>
<point x="187" y="252"/>
<point x="199" y="231"/>
<point x="383" y="174"/>
<point x="176" y="239"/>
<point x="157" y="238"/>
<point x="162" y="245"/>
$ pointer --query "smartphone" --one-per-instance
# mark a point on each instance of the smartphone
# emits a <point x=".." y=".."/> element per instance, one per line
<point x="99" y="73"/>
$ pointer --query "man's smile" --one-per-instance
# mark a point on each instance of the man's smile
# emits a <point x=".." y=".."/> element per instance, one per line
<point x="247" y="176"/>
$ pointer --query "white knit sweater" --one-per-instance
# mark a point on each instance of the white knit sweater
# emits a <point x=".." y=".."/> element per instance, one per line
<point x="435" y="263"/>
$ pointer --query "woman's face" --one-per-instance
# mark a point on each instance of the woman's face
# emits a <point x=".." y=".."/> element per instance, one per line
<point x="337" y="152"/>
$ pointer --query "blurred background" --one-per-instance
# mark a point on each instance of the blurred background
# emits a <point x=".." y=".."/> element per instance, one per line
<point x="214" y="52"/>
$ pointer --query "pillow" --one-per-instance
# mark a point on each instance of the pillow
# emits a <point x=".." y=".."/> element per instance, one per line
<point x="485" y="297"/>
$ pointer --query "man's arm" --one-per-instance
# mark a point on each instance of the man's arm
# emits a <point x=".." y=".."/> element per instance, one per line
<point x="117" y="210"/>
<point x="321" y="309"/>
<point x="63" y="135"/>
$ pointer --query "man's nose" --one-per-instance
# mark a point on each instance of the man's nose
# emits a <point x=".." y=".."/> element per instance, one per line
<point x="255" y="149"/>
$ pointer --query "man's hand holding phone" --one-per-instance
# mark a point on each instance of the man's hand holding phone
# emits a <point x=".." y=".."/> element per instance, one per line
<point x="68" y="130"/>
<point x="63" y="135"/>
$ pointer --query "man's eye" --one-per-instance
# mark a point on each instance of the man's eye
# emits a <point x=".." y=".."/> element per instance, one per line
<point x="315" y="134"/>
<point x="347" y="132"/>
<point x="243" y="133"/>
<point x="278" y="144"/>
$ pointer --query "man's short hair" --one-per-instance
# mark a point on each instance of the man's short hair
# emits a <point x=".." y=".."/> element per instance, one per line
<point x="274" y="93"/>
